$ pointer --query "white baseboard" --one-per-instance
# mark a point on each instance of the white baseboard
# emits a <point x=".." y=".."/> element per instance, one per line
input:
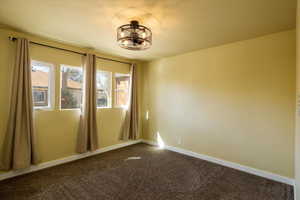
<point x="225" y="163"/>
<point x="243" y="168"/>
<point x="44" y="165"/>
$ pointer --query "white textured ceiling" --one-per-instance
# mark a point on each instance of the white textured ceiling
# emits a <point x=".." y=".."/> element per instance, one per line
<point x="178" y="26"/>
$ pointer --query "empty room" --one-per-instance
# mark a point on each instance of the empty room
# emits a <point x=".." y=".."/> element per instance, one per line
<point x="149" y="100"/>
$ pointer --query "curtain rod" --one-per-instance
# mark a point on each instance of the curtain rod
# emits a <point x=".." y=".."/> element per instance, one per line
<point x="76" y="52"/>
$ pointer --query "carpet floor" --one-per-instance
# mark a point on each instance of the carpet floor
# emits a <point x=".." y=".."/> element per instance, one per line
<point x="142" y="172"/>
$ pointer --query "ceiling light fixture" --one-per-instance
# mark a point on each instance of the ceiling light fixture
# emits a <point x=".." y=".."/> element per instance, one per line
<point x="134" y="36"/>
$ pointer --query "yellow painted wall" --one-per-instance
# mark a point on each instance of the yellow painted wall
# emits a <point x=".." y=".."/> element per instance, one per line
<point x="297" y="134"/>
<point x="57" y="129"/>
<point x="234" y="102"/>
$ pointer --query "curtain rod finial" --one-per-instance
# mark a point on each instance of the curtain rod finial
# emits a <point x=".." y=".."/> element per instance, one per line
<point x="12" y="38"/>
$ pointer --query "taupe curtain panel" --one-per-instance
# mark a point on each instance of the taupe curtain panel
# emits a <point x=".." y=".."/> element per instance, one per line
<point x="88" y="134"/>
<point x="20" y="140"/>
<point x="130" y="125"/>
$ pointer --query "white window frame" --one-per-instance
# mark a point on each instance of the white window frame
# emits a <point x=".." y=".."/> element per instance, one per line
<point x="115" y="89"/>
<point x="110" y="98"/>
<point x="51" y="85"/>
<point x="60" y="86"/>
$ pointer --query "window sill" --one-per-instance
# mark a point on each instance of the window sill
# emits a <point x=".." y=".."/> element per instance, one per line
<point x="121" y="107"/>
<point x="37" y="109"/>
<point x="69" y="109"/>
<point x="103" y="108"/>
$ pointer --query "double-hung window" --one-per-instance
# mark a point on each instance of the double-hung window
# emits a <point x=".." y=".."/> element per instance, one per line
<point x="122" y="89"/>
<point x="103" y="79"/>
<point x="42" y="80"/>
<point x="71" y="87"/>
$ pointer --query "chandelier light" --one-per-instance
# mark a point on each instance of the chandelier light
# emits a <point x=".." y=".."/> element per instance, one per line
<point x="134" y="36"/>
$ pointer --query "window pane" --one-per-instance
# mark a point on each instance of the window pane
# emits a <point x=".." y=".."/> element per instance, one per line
<point x="122" y="89"/>
<point x="103" y="89"/>
<point x="71" y="87"/>
<point x="40" y="76"/>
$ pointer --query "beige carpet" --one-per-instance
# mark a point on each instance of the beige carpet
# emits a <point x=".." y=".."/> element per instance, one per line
<point x="158" y="174"/>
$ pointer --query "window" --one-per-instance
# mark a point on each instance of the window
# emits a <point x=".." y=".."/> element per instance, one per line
<point x="71" y="87"/>
<point x="122" y="90"/>
<point x="103" y="89"/>
<point x="40" y="97"/>
<point x="41" y="77"/>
